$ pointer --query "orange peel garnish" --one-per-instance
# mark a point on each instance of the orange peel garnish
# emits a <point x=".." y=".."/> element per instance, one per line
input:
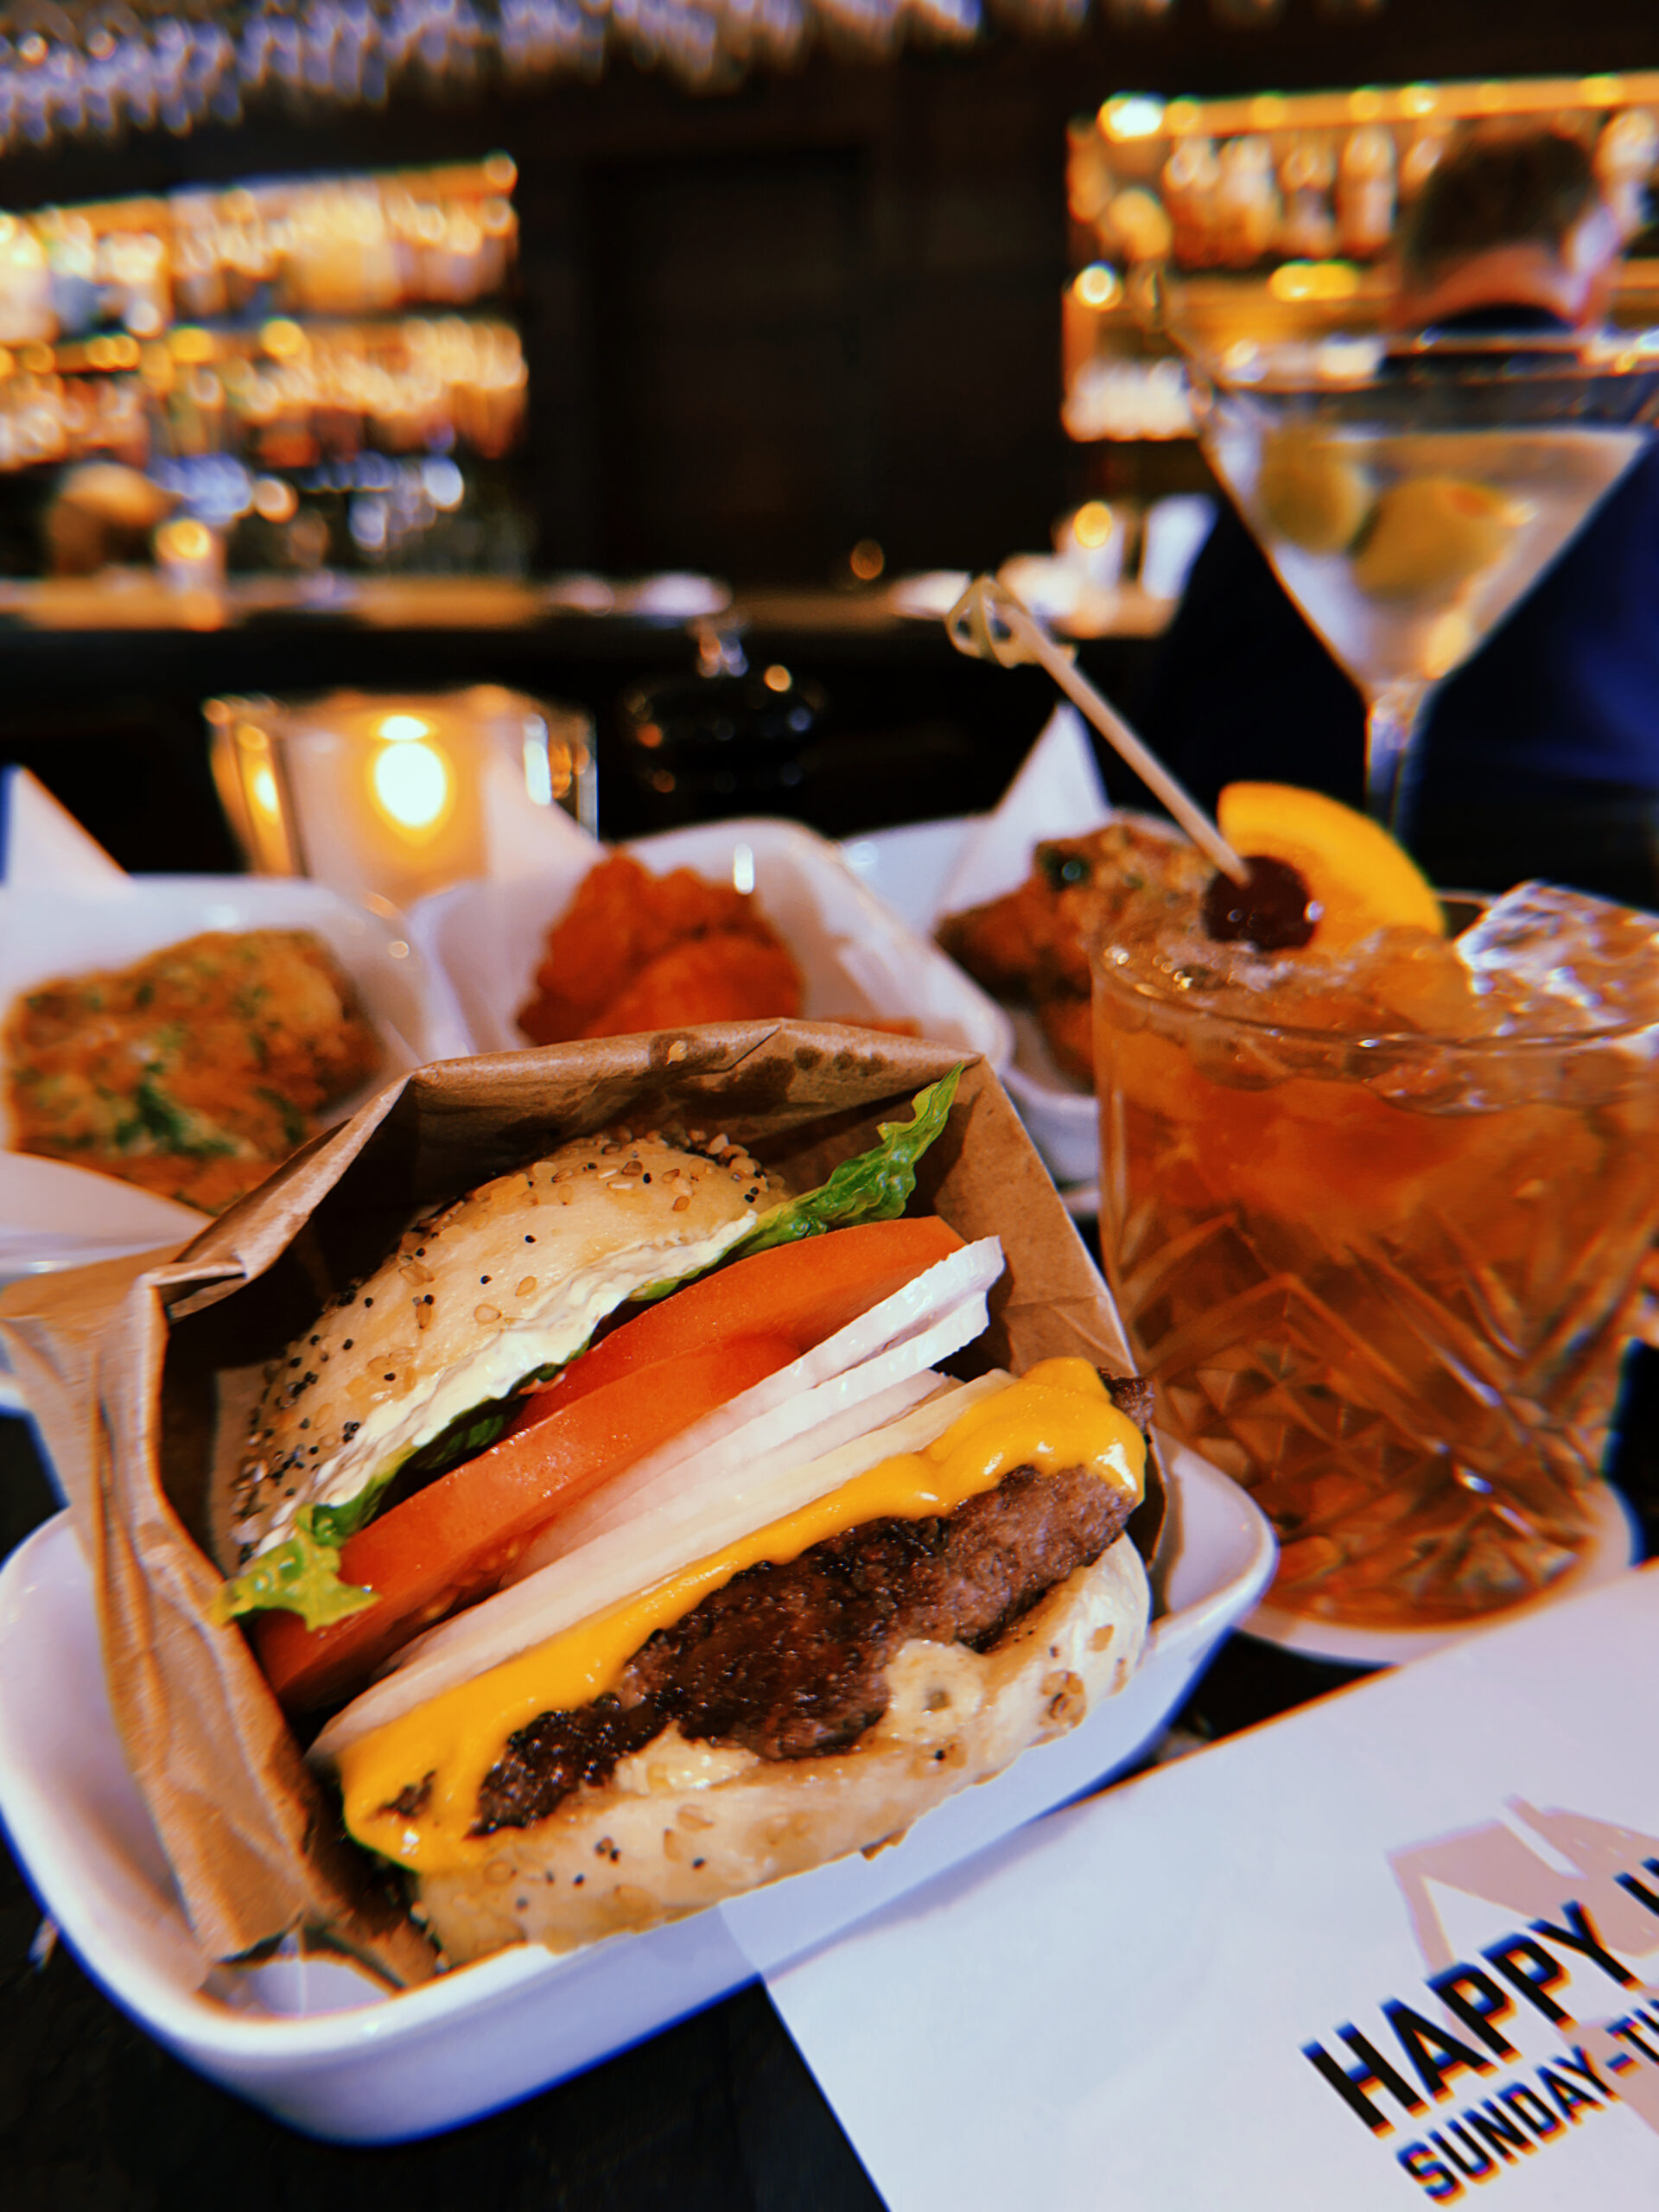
<point x="1359" y="878"/>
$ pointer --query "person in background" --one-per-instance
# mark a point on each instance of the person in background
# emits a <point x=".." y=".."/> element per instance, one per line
<point x="1540" y="756"/>
<point x="100" y="516"/>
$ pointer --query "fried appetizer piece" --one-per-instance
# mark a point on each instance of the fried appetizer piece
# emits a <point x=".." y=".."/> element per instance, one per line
<point x="721" y="977"/>
<point x="1027" y="942"/>
<point x="191" y="1073"/>
<point x="1068" y="1023"/>
<point x="624" y="921"/>
<point x="1032" y="944"/>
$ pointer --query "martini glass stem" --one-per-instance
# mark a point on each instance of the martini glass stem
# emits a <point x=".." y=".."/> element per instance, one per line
<point x="1392" y="716"/>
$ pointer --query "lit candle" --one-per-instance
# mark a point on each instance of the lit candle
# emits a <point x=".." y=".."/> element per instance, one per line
<point x="386" y="796"/>
<point x="190" y="557"/>
<point x="386" y="800"/>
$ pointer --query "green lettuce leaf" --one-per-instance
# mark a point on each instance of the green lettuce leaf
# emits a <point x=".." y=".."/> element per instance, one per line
<point x="467" y="1435"/>
<point x="301" y="1574"/>
<point x="875" y="1186"/>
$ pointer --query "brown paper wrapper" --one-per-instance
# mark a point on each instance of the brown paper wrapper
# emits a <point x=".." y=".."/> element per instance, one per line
<point x="129" y="1366"/>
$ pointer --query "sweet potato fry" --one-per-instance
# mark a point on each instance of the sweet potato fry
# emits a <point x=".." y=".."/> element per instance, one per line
<point x="622" y="918"/>
<point x="721" y="977"/>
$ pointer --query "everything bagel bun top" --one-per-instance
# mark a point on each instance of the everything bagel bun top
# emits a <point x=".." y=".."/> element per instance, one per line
<point x="506" y="1283"/>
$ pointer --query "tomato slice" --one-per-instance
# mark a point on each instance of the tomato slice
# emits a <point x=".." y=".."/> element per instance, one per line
<point x="453" y="1541"/>
<point x="805" y="1291"/>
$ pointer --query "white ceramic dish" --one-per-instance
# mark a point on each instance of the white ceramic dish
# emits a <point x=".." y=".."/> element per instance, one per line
<point x="908" y="869"/>
<point x="857" y="958"/>
<point x="54" y="1217"/>
<point x="316" y="2044"/>
<point x="929" y="597"/>
<point x="1615" y="1546"/>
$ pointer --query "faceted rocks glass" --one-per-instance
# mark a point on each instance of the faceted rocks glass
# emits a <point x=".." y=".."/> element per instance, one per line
<point x="1385" y="1281"/>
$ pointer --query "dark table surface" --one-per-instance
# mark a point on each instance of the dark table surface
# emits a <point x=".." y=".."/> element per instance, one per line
<point x="719" y="2112"/>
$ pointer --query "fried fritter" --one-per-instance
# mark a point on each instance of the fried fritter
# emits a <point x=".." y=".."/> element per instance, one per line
<point x="603" y="974"/>
<point x="1032" y="944"/>
<point x="1068" y="1023"/>
<point x="192" y="1073"/>
<point x="1027" y="941"/>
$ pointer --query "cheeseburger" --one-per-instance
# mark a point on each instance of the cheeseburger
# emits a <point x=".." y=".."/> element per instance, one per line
<point x="630" y="1510"/>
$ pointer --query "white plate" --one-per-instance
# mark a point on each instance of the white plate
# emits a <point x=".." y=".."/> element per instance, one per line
<point x="320" y="2047"/>
<point x="857" y="957"/>
<point x="1614" y="1547"/>
<point x="55" y="1216"/>
<point x="930" y="596"/>
<point x="909" y="869"/>
<point x="675" y="596"/>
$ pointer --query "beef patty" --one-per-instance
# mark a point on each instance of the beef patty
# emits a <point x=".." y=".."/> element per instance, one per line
<point x="791" y="1661"/>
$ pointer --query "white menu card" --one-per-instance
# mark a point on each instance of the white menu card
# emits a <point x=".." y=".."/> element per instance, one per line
<point x="1399" y="1947"/>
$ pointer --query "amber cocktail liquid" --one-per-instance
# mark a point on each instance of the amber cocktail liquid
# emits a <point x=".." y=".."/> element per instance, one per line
<point x="1377" y="1230"/>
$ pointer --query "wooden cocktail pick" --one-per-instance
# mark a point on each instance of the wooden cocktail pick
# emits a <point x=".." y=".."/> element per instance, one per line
<point x="990" y="623"/>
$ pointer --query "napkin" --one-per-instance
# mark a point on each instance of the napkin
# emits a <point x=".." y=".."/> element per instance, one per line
<point x="1162" y="1999"/>
<point x="44" y="846"/>
<point x="1057" y="793"/>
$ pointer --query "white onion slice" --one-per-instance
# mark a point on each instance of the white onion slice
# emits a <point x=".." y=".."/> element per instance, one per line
<point x="862" y="1427"/>
<point x="622" y="1561"/>
<point x="966" y="1275"/>
<point x="758" y="1431"/>
<point x="742" y="1454"/>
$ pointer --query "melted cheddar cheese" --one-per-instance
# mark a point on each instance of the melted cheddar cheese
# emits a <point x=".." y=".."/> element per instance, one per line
<point x="435" y="1757"/>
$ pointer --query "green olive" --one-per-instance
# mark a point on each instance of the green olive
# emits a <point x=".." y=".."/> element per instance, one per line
<point x="1430" y="534"/>
<point x="1311" y="491"/>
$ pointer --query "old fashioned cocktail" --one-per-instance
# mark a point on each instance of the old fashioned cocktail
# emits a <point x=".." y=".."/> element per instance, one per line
<point x="1377" y="1219"/>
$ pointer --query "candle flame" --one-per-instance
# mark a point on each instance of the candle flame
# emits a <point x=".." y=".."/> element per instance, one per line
<point x="412" y="784"/>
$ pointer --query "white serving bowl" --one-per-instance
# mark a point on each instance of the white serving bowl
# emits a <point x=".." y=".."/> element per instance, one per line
<point x="53" y="1216"/>
<point x="322" y="2048"/>
<point x="859" y="959"/>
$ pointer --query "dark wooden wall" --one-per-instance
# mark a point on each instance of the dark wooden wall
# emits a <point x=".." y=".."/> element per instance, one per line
<point x="824" y="311"/>
<point x="826" y="306"/>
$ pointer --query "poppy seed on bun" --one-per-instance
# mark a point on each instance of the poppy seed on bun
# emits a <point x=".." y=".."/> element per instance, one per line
<point x="507" y="1283"/>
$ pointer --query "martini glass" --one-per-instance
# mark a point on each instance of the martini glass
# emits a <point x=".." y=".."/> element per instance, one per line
<point x="1410" y="494"/>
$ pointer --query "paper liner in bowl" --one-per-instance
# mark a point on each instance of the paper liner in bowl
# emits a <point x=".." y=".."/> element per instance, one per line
<point x="127" y="1368"/>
